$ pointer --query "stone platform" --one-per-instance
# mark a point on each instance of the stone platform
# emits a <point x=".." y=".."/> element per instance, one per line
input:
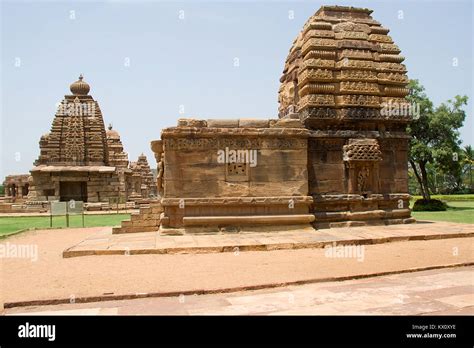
<point x="262" y="239"/>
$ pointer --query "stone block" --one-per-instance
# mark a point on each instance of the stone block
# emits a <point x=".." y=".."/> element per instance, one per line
<point x="278" y="173"/>
<point x="191" y="122"/>
<point x="327" y="186"/>
<point x="191" y="188"/>
<point x="290" y="188"/>
<point x="253" y="123"/>
<point x="287" y="123"/>
<point x="127" y="223"/>
<point x="223" y="123"/>
<point x="211" y="171"/>
<point x="282" y="157"/>
<point x="207" y="156"/>
<point x="326" y="171"/>
<point x="135" y="217"/>
<point x="157" y="209"/>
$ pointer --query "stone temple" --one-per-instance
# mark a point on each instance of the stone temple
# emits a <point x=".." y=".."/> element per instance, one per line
<point x="343" y="76"/>
<point x="81" y="160"/>
<point x="335" y="156"/>
<point x="16" y="186"/>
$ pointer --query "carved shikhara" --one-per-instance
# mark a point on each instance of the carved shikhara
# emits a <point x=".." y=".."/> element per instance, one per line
<point x="80" y="160"/>
<point x="344" y="83"/>
<point x="342" y="50"/>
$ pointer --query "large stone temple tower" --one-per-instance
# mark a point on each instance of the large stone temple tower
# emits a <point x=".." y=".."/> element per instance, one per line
<point x="344" y="79"/>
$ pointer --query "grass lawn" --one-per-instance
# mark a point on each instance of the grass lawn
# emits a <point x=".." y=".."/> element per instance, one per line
<point x="449" y="198"/>
<point x="11" y="224"/>
<point x="458" y="211"/>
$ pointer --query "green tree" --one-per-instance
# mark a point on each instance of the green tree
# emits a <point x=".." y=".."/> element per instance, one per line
<point x="468" y="162"/>
<point x="435" y="136"/>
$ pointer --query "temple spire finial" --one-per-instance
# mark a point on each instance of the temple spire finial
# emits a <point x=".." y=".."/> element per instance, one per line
<point x="80" y="87"/>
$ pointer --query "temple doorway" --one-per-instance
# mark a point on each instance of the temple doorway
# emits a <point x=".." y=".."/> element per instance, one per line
<point x="75" y="190"/>
<point x="25" y="190"/>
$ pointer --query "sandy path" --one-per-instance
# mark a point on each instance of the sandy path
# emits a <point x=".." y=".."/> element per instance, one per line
<point x="447" y="291"/>
<point x="52" y="276"/>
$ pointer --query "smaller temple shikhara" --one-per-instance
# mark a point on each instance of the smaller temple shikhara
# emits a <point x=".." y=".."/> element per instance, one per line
<point x="80" y="160"/>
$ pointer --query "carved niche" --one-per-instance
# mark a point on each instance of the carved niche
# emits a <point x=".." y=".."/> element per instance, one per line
<point x="362" y="157"/>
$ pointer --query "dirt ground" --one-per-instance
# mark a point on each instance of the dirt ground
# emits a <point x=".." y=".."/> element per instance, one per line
<point x="53" y="277"/>
<point x="446" y="291"/>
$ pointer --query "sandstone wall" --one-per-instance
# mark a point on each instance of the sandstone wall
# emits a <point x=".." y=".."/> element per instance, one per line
<point x="197" y="184"/>
<point x="334" y="180"/>
<point x="100" y="186"/>
<point x="394" y="166"/>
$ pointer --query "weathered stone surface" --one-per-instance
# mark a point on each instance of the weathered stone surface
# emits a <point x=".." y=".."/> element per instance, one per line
<point x="224" y="123"/>
<point x="147" y="220"/>
<point x="157" y="146"/>
<point x="248" y="220"/>
<point x="331" y="143"/>
<point x="190" y="122"/>
<point x="253" y="123"/>
<point x="287" y="123"/>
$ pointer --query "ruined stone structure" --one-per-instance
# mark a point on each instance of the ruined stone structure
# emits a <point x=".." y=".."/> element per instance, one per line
<point x="335" y="157"/>
<point x="199" y="193"/>
<point x="266" y="182"/>
<point x="16" y="186"/>
<point x="78" y="158"/>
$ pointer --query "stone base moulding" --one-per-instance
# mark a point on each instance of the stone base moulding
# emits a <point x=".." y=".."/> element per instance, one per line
<point x="236" y="211"/>
<point x="247" y="220"/>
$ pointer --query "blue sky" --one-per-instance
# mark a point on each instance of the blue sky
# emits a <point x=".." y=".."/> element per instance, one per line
<point x="188" y="63"/>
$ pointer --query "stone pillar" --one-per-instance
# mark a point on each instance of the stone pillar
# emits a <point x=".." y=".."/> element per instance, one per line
<point x="375" y="178"/>
<point x="352" y="179"/>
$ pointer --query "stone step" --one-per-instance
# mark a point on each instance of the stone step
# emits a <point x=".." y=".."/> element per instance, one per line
<point x="247" y="220"/>
<point x="375" y="214"/>
<point x="119" y="230"/>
